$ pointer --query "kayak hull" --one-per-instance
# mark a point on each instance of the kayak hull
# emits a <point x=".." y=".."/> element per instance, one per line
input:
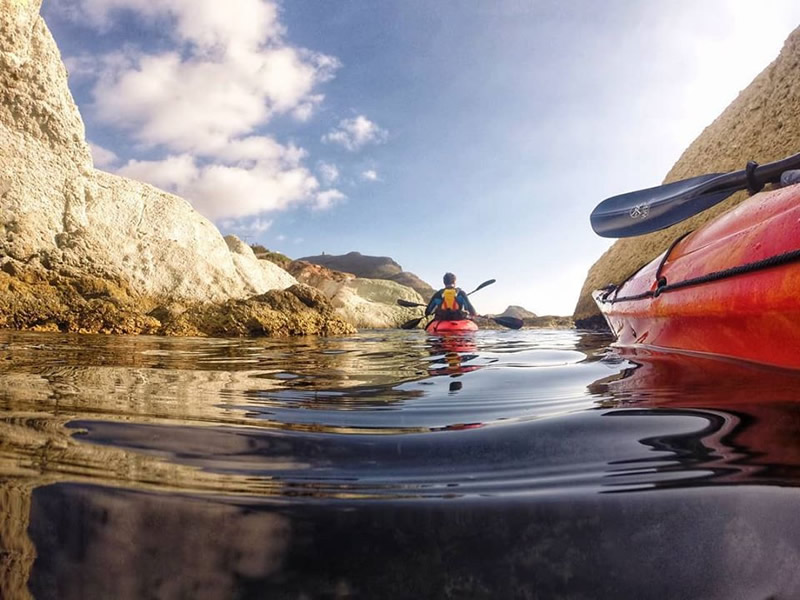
<point x="460" y="326"/>
<point x="731" y="288"/>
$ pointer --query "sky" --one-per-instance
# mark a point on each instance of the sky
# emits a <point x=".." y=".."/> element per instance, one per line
<point x="472" y="136"/>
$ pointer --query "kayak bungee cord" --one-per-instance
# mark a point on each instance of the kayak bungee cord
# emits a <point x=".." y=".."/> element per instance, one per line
<point x="663" y="286"/>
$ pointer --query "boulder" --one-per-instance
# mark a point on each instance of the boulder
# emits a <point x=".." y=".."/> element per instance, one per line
<point x="363" y="302"/>
<point x="63" y="223"/>
<point x="415" y="283"/>
<point x="517" y="312"/>
<point x="760" y="124"/>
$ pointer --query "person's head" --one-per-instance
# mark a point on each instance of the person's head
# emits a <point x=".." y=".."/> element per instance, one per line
<point x="449" y="279"/>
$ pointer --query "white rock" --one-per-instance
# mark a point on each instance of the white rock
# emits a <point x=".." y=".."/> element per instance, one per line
<point x="372" y="303"/>
<point x="59" y="211"/>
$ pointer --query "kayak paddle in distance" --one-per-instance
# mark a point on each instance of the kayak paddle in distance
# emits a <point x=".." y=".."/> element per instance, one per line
<point x="483" y="285"/>
<point x="409" y="304"/>
<point x="645" y="211"/>
<point x="510" y="322"/>
<point x="412" y="324"/>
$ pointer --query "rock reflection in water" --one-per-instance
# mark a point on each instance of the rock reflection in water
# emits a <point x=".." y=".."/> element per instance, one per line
<point x="135" y="468"/>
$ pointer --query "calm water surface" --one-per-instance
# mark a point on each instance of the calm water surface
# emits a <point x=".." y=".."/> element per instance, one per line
<point x="531" y="464"/>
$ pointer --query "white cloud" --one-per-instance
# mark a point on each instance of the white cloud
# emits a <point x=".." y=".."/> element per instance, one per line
<point x="103" y="158"/>
<point x="305" y="110"/>
<point x="261" y="150"/>
<point x="172" y="174"/>
<point x="256" y="225"/>
<point x="168" y="100"/>
<point x="203" y="101"/>
<point x="329" y="172"/>
<point x="231" y="191"/>
<point x="355" y="133"/>
<point x="328" y="198"/>
<point x="229" y="72"/>
<point x="370" y="175"/>
<point x="207" y="24"/>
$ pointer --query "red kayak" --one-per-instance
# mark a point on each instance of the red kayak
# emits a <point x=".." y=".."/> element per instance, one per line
<point x="460" y="326"/>
<point x="730" y="288"/>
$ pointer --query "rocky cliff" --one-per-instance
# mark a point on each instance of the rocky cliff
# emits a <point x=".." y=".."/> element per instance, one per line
<point x="761" y="124"/>
<point x="85" y="250"/>
<point x="372" y="267"/>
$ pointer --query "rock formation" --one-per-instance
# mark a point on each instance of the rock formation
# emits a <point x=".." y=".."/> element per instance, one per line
<point x="415" y="283"/>
<point x="517" y="312"/>
<point x="84" y="250"/>
<point x="364" y="302"/>
<point x="760" y="124"/>
<point x="372" y="267"/>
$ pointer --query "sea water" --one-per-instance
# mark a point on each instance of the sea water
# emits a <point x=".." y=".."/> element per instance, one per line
<point x="393" y="464"/>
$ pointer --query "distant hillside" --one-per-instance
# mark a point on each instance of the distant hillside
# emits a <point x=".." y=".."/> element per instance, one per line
<point x="274" y="257"/>
<point x="371" y="267"/>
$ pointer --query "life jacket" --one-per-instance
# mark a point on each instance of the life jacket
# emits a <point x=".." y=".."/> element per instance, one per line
<point x="450" y="299"/>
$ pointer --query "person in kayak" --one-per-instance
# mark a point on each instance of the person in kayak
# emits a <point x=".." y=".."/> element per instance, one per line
<point x="450" y="303"/>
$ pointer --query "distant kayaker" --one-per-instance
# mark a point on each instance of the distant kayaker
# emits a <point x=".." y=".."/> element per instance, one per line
<point x="450" y="303"/>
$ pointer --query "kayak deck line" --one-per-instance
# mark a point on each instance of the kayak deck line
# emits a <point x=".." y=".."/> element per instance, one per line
<point x="772" y="261"/>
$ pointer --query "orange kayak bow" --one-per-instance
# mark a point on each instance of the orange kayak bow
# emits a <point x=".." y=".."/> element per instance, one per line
<point x="730" y="288"/>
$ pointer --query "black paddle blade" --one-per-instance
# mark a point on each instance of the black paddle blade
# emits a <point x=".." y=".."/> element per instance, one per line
<point x="645" y="211"/>
<point x="412" y="324"/>
<point x="510" y="322"/>
<point x="408" y="303"/>
<point x="483" y="285"/>
<point x="649" y="210"/>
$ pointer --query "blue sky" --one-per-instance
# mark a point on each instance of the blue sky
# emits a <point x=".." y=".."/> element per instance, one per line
<point x="471" y="136"/>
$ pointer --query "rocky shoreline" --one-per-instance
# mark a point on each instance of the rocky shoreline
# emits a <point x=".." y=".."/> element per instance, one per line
<point x="41" y="300"/>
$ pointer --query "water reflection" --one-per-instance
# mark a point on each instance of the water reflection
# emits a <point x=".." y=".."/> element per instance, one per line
<point x="237" y="416"/>
<point x="392" y="464"/>
<point x="453" y="355"/>
<point x="751" y="413"/>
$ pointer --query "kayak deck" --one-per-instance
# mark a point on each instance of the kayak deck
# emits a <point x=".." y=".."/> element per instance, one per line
<point x="462" y="325"/>
<point x="731" y="288"/>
